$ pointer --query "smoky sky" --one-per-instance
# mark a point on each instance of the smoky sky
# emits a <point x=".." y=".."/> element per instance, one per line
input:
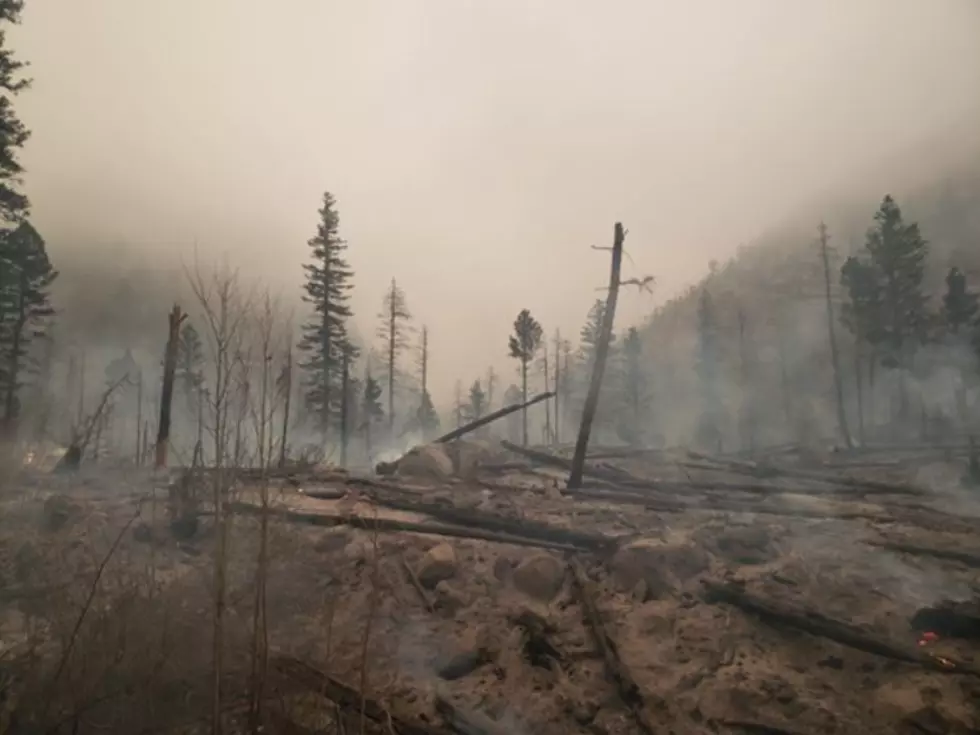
<point x="476" y="149"/>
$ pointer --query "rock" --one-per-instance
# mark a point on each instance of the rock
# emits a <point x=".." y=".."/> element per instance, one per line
<point x="658" y="565"/>
<point x="503" y="568"/>
<point x="438" y="564"/>
<point x="429" y="460"/>
<point x="331" y="541"/>
<point x="143" y="533"/>
<point x="746" y="546"/>
<point x="58" y="511"/>
<point x="539" y="576"/>
<point x="448" y="599"/>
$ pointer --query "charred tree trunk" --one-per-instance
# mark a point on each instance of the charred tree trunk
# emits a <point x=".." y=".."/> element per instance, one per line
<point x="832" y="338"/>
<point x="602" y="352"/>
<point x="859" y="390"/>
<point x="167" y="392"/>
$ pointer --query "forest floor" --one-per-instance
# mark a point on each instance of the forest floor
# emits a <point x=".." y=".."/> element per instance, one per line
<point x="674" y="594"/>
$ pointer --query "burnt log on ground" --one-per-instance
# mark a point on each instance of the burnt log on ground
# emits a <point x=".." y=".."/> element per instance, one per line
<point x="346" y="697"/>
<point x="616" y="671"/>
<point x="437" y="529"/>
<point x="470" y="518"/>
<point x="969" y="558"/>
<point x="621" y="478"/>
<point x="949" y="619"/>
<point x="807" y="620"/>
<point x="755" y="469"/>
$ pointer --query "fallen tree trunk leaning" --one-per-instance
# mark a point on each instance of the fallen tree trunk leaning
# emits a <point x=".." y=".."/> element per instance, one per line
<point x="491" y="417"/>
<point x="815" y="623"/>
<point x="392" y="524"/>
<point x="347" y="697"/>
<point x="387" y="468"/>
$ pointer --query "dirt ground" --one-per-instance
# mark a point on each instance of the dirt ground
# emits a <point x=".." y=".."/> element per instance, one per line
<point x="454" y="634"/>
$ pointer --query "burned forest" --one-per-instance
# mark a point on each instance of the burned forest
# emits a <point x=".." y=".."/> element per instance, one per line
<point x="549" y="463"/>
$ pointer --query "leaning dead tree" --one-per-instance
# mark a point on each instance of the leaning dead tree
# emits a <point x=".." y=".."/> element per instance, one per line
<point x="602" y="352"/>
<point x="176" y="320"/>
<point x="832" y="338"/>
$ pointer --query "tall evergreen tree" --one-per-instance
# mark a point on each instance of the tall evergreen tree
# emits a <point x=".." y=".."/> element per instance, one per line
<point x="394" y="330"/>
<point x="190" y="363"/>
<point x="476" y="405"/>
<point x="13" y="134"/>
<point x="860" y="313"/>
<point x="524" y="343"/>
<point x="589" y="334"/>
<point x="897" y="252"/>
<point x="325" y="338"/>
<point x="26" y="274"/>
<point x="960" y="305"/>
<point x="634" y="396"/>
<point x="371" y="410"/>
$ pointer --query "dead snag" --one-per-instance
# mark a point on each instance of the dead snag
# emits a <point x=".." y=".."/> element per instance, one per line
<point x="815" y="623"/>
<point x="602" y="351"/>
<point x="176" y="319"/>
<point x="616" y="670"/>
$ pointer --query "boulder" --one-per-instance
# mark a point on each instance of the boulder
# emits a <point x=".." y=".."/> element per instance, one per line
<point x="427" y="461"/>
<point x="539" y="576"/>
<point x="659" y="566"/>
<point x="438" y="564"/>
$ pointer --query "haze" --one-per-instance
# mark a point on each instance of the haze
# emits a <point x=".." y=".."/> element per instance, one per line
<point x="476" y="150"/>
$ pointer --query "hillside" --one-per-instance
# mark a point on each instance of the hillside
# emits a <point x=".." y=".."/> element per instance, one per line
<point x="775" y="286"/>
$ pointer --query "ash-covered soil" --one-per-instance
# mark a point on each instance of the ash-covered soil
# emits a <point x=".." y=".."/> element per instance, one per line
<point x="447" y="633"/>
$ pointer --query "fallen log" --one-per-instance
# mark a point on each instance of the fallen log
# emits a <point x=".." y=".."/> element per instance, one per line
<point x="970" y="559"/>
<point x="392" y="524"/>
<point x="756" y="469"/>
<point x="815" y="623"/>
<point x="346" y="697"/>
<point x="471" y="518"/>
<point x="617" y="671"/>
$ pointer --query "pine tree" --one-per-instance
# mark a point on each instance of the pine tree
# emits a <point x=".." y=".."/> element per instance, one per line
<point x="190" y="363"/>
<point x="393" y="330"/>
<point x="26" y="275"/>
<point x="325" y="337"/>
<point x="589" y="334"/>
<point x="524" y="344"/>
<point x="371" y="410"/>
<point x="897" y="252"/>
<point x="634" y="399"/>
<point x="960" y="305"/>
<point x="709" y="430"/>
<point x="13" y="204"/>
<point x="860" y="313"/>
<point x="476" y="405"/>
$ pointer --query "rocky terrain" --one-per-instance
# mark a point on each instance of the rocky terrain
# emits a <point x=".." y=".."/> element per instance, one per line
<point x="469" y="591"/>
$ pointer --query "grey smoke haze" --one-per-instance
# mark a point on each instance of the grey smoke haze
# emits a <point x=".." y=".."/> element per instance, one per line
<point x="476" y="149"/>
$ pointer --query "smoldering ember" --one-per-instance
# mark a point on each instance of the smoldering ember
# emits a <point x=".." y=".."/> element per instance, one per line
<point x="523" y="443"/>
